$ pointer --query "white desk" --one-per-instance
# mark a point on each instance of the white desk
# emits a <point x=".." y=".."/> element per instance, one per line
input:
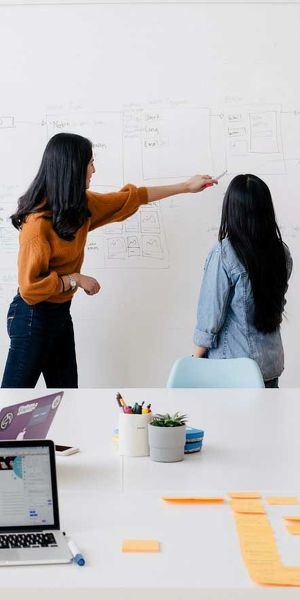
<point x="251" y="442"/>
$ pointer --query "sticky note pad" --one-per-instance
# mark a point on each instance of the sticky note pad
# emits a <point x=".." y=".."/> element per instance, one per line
<point x="242" y="495"/>
<point x="250" y="506"/>
<point x="193" y="499"/>
<point x="260" y="553"/>
<point x="282" y="500"/>
<point x="293" y="528"/>
<point x="295" y="519"/>
<point x="140" y="546"/>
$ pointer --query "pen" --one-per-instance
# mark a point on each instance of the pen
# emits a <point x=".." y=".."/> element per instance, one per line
<point x="120" y="399"/>
<point x="77" y="556"/>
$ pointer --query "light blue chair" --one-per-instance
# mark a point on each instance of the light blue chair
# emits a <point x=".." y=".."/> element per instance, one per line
<point x="191" y="372"/>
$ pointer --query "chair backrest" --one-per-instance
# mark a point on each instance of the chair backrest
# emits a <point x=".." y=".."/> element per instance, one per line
<point x="191" y="372"/>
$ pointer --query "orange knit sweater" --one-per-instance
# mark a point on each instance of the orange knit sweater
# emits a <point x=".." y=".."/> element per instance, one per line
<point x="43" y="255"/>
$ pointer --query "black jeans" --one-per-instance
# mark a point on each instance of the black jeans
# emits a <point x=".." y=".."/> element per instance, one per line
<point x="41" y="341"/>
<point x="272" y="383"/>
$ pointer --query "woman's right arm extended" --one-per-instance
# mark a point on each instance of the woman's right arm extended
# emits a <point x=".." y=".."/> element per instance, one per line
<point x="118" y="206"/>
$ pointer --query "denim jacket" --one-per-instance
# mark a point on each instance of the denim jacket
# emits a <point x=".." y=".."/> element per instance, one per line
<point x="225" y="315"/>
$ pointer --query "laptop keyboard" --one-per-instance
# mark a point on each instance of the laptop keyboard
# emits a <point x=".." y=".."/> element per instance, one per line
<point x="27" y="540"/>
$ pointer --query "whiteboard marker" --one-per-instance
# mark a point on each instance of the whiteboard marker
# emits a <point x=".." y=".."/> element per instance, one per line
<point x="210" y="184"/>
<point x="222" y="175"/>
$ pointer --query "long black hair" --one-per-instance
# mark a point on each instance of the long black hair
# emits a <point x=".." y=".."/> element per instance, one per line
<point x="59" y="186"/>
<point x="248" y="221"/>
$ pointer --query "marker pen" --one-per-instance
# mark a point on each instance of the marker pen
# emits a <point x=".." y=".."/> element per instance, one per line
<point x="222" y="175"/>
<point x="78" y="558"/>
<point x="210" y="184"/>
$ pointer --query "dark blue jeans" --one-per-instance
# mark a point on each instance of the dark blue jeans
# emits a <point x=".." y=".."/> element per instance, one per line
<point x="41" y="341"/>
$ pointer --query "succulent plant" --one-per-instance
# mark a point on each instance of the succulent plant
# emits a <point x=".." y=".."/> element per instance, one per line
<point x="169" y="420"/>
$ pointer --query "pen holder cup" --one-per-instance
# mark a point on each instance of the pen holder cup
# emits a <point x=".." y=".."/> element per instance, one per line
<point x="133" y="434"/>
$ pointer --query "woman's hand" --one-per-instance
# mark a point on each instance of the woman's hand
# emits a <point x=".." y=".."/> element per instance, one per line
<point x="198" y="183"/>
<point x="88" y="284"/>
<point x="199" y="351"/>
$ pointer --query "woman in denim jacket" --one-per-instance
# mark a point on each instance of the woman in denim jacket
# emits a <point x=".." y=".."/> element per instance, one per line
<point x="246" y="276"/>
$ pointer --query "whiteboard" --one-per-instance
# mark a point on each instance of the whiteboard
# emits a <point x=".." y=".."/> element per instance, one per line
<point x="163" y="91"/>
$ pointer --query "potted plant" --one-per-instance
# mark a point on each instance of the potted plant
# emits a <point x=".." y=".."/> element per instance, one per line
<point x="167" y="437"/>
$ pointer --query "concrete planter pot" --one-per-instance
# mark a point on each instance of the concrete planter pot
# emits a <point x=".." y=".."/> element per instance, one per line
<point x="166" y="443"/>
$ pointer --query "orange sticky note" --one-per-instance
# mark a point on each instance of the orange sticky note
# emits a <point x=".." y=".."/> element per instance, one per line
<point x="282" y="500"/>
<point x="260" y="553"/>
<point x="242" y="495"/>
<point x="140" y="546"/>
<point x="293" y="528"/>
<point x="295" y="519"/>
<point x="191" y="499"/>
<point x="247" y="506"/>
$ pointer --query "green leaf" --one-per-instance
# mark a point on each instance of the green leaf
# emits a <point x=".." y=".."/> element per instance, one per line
<point x="168" y="420"/>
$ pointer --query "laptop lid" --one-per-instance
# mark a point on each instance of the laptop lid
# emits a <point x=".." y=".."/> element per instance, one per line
<point x="28" y="488"/>
<point x="30" y="419"/>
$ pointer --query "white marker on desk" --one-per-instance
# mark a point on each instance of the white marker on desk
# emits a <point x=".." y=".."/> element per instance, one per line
<point x="77" y="556"/>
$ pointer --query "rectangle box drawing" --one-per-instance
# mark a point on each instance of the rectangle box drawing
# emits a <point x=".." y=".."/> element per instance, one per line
<point x="104" y="129"/>
<point x="6" y="122"/>
<point x="263" y="132"/>
<point x="254" y="145"/>
<point x="175" y="142"/>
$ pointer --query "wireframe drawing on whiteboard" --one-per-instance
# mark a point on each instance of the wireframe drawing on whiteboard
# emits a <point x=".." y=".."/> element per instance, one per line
<point x="253" y="139"/>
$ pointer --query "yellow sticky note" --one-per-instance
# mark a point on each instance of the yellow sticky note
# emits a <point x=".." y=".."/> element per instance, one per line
<point x="242" y="495"/>
<point x="282" y="500"/>
<point x="140" y="546"/>
<point x="191" y="499"/>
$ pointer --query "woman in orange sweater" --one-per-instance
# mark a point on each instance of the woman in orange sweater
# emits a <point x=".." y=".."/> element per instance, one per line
<point x="54" y="217"/>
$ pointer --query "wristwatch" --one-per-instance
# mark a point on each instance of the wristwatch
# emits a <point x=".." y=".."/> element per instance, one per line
<point x="73" y="283"/>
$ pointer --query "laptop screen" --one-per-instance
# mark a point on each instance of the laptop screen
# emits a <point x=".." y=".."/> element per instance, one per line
<point x="26" y="486"/>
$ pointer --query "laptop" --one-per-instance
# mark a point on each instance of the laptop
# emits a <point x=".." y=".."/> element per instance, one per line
<point x="29" y="516"/>
<point x="30" y="419"/>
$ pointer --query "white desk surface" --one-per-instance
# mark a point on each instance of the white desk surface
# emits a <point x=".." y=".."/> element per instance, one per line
<point x="251" y="442"/>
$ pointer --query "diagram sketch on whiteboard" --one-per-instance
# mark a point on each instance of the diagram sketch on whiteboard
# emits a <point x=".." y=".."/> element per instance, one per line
<point x="253" y="139"/>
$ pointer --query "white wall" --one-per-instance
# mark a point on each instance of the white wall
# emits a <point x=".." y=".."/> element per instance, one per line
<point x="163" y="91"/>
